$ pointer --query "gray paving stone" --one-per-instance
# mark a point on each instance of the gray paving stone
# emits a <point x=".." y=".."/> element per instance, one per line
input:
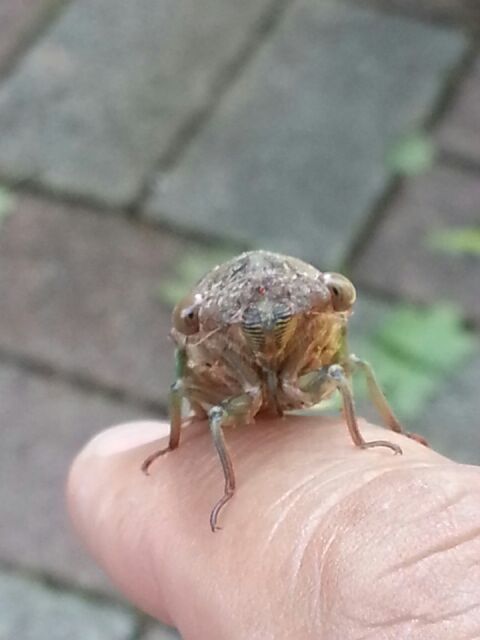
<point x="459" y="132"/>
<point x="98" y="101"/>
<point x="369" y="313"/>
<point x="399" y="259"/>
<point x="31" y="611"/>
<point x="79" y="292"/>
<point x="452" y="420"/>
<point x="44" y="424"/>
<point x="294" y="157"/>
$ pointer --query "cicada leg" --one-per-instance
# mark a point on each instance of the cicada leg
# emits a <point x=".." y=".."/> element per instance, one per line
<point x="175" y="404"/>
<point x="335" y="374"/>
<point x="379" y="400"/>
<point x="177" y="393"/>
<point x="238" y="408"/>
<point x="233" y="410"/>
<point x="216" y="418"/>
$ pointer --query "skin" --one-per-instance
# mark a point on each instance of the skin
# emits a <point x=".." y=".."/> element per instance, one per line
<point x="322" y="540"/>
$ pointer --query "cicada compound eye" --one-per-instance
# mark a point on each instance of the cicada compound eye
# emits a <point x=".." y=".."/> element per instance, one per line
<point x="342" y="291"/>
<point x="185" y="315"/>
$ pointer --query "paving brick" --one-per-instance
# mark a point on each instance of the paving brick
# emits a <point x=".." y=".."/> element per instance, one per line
<point x="452" y="420"/>
<point x="294" y="157"/>
<point x="44" y="424"/>
<point x="463" y="12"/>
<point x="79" y="292"/>
<point x="17" y="19"/>
<point x="369" y="314"/>
<point x="101" y="97"/>
<point x="459" y="131"/>
<point x="399" y="260"/>
<point x="31" y="611"/>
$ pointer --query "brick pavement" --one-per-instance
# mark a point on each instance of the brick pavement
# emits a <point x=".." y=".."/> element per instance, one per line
<point x="259" y="122"/>
<point x="80" y="308"/>
<point x="31" y="610"/>
<point x="122" y="81"/>
<point x="401" y="258"/>
<point x="295" y="155"/>
<point x="45" y="421"/>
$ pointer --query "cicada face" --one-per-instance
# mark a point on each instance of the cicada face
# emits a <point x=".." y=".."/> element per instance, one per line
<point x="265" y="306"/>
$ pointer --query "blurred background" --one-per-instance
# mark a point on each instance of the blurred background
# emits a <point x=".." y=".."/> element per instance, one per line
<point x="142" y="142"/>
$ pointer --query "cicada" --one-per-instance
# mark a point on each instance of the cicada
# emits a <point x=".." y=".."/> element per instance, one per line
<point x="265" y="333"/>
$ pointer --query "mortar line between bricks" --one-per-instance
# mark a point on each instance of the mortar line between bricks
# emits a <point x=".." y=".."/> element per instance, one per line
<point x="32" y="35"/>
<point x="427" y="18"/>
<point x="451" y="86"/>
<point x="80" y="381"/>
<point x="455" y="160"/>
<point x="226" y="79"/>
<point x="394" y="183"/>
<point x="378" y="212"/>
<point x="27" y="188"/>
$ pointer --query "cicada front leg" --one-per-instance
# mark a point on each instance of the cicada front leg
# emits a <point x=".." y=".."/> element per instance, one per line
<point x="237" y="409"/>
<point x="379" y="400"/>
<point x="335" y="376"/>
<point x="177" y="394"/>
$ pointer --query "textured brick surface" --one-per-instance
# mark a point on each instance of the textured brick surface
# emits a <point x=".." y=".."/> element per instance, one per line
<point x="452" y="420"/>
<point x="44" y="424"/>
<point x="294" y="157"/>
<point x="79" y="291"/>
<point x="459" y="132"/>
<point x="399" y="259"/>
<point x="99" y="99"/>
<point x="31" y="611"/>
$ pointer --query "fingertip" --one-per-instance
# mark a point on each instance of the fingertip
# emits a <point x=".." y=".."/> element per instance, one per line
<point x="151" y="534"/>
<point x="82" y="483"/>
<point x="123" y="437"/>
<point x="100" y="490"/>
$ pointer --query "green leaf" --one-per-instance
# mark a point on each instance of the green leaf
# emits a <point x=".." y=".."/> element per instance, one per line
<point x="406" y="387"/>
<point x="414" y="352"/>
<point x="188" y="270"/>
<point x="411" y="155"/>
<point x="456" y="241"/>
<point x="434" y="337"/>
